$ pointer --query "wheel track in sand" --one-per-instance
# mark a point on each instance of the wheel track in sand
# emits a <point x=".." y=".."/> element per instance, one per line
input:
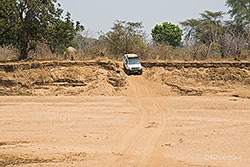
<point x="138" y="142"/>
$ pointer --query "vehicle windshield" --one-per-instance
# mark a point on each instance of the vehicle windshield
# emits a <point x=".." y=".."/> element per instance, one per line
<point x="133" y="61"/>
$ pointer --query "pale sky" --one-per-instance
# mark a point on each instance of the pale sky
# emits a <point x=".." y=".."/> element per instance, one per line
<point x="99" y="15"/>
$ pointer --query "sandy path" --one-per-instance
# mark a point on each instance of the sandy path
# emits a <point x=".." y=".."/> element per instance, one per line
<point x="141" y="130"/>
<point x="151" y="122"/>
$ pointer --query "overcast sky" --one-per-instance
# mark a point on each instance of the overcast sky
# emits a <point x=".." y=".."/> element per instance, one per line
<point x="99" y="15"/>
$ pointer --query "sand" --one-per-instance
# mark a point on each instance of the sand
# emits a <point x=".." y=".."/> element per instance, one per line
<point x="149" y="125"/>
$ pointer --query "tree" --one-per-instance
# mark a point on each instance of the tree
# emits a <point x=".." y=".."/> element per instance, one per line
<point x="61" y="33"/>
<point x="207" y="29"/>
<point x="124" y="37"/>
<point x="25" y="23"/>
<point x="167" y="33"/>
<point x="240" y="10"/>
<point x="228" y="37"/>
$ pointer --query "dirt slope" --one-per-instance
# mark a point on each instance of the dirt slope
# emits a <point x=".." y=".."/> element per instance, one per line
<point x="219" y="81"/>
<point x="62" y="78"/>
<point x="106" y="77"/>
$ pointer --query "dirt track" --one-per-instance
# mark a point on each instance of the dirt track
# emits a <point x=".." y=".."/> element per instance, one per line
<point x="144" y="129"/>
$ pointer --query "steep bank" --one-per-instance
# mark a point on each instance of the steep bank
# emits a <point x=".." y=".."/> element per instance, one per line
<point x="106" y="77"/>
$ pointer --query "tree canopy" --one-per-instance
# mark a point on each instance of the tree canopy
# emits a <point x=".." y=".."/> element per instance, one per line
<point x="206" y="29"/>
<point x="124" y="37"/>
<point x="212" y="31"/>
<point x="167" y="33"/>
<point x="24" y="23"/>
<point x="240" y="10"/>
<point x="62" y="33"/>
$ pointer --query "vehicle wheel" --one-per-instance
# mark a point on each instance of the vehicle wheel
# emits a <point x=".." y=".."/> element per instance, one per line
<point x="124" y="69"/>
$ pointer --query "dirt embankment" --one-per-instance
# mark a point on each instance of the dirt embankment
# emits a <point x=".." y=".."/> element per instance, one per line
<point x="61" y="78"/>
<point x="106" y="77"/>
<point x="199" y="79"/>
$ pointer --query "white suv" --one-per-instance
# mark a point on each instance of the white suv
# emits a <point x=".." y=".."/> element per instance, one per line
<point x="131" y="64"/>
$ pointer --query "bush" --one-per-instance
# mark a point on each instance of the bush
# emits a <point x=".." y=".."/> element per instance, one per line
<point x="167" y="33"/>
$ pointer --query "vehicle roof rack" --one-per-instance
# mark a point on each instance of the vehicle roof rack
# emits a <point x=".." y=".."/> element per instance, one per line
<point x="132" y="56"/>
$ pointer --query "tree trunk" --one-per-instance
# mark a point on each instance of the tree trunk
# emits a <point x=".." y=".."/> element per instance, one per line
<point x="249" y="42"/>
<point x="52" y="49"/>
<point x="237" y="53"/>
<point x="222" y="52"/>
<point x="23" y="48"/>
<point x="23" y="54"/>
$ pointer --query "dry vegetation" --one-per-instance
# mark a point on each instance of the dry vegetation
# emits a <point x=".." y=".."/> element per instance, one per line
<point x="94" y="49"/>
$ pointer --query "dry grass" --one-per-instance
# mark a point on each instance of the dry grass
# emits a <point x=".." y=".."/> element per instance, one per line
<point x="7" y="54"/>
<point x="152" y="52"/>
<point x="7" y="160"/>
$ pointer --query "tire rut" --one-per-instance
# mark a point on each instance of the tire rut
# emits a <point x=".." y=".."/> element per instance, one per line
<point x="138" y="143"/>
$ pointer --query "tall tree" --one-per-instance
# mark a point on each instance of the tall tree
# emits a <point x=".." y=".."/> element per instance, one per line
<point x="61" y="34"/>
<point x="167" y="33"/>
<point x="240" y="10"/>
<point x="124" y="37"/>
<point x="24" y="23"/>
<point x="226" y="36"/>
<point x="206" y="29"/>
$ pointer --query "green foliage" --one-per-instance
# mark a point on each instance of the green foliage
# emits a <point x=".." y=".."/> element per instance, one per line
<point x="179" y="67"/>
<point x="207" y="29"/>
<point x="25" y="23"/>
<point x="225" y="36"/>
<point x="62" y="34"/>
<point x="167" y="33"/>
<point x="240" y="10"/>
<point x="124" y="37"/>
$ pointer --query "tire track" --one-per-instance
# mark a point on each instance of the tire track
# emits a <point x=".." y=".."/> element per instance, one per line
<point x="159" y="132"/>
<point x="138" y="143"/>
